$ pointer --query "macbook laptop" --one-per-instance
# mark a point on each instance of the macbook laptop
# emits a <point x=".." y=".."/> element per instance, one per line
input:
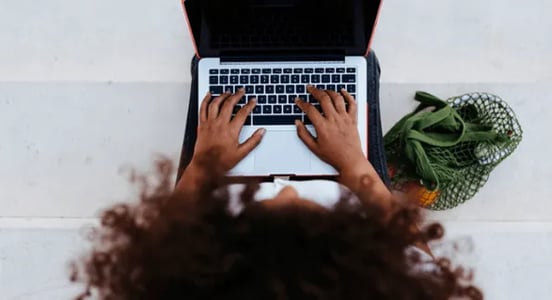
<point x="273" y="49"/>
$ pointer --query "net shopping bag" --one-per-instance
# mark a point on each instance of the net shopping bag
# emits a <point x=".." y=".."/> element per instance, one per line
<point x="442" y="153"/>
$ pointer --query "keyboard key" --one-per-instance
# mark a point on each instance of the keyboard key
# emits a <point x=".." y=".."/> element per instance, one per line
<point x="213" y="79"/>
<point x="284" y="79"/>
<point x="348" y="78"/>
<point x="319" y="70"/>
<point x="244" y="79"/>
<point x="351" y="88"/>
<point x="243" y="100"/>
<point x="213" y="71"/>
<point x="274" y="79"/>
<point x="309" y="71"/>
<point x="275" y="120"/>
<point x="234" y="79"/>
<point x="291" y="99"/>
<point x="326" y="78"/>
<point x="257" y="110"/>
<point x="215" y="89"/>
<point x="336" y="78"/>
<point x="294" y="78"/>
<point x="247" y="121"/>
<point x="249" y="89"/>
<point x="290" y="89"/>
<point x="269" y="89"/>
<point x="245" y="71"/>
<point x="237" y="87"/>
<point x="315" y="78"/>
<point x="312" y="99"/>
<point x="339" y="87"/>
<point x="235" y="109"/>
<point x="264" y="79"/>
<point x="305" y="78"/>
<point x="262" y="99"/>
<point x="224" y="71"/>
<point x="267" y="109"/>
<point x="277" y="109"/>
<point x="254" y="79"/>
<point x="320" y="86"/>
<point x="272" y="99"/>
<point x="229" y="88"/>
<point x="287" y="71"/>
<point x="266" y="71"/>
<point x="351" y="70"/>
<point x="287" y="109"/>
<point x="279" y="89"/>
<point x="297" y="70"/>
<point x="282" y="99"/>
<point x="330" y="87"/>
<point x="340" y="70"/>
<point x="300" y="89"/>
<point x="304" y="97"/>
<point x="330" y="70"/>
<point x="296" y="109"/>
<point x="259" y="89"/>
<point x="256" y="71"/>
<point x="235" y="71"/>
<point x="223" y="80"/>
<point x="277" y="71"/>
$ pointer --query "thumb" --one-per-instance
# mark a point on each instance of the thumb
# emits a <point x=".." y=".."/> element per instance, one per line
<point x="252" y="142"/>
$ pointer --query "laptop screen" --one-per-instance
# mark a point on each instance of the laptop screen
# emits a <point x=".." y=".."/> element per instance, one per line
<point x="226" y="27"/>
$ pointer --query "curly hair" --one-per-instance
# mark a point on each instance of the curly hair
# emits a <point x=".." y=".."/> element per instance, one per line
<point x="173" y="245"/>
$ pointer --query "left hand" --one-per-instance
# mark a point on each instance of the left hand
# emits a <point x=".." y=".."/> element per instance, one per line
<point x="218" y="133"/>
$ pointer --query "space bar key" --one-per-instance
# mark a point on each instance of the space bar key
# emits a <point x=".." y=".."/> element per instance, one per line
<point x="276" y="120"/>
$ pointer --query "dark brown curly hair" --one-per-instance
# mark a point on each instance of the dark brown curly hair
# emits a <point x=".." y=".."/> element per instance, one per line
<point x="173" y="245"/>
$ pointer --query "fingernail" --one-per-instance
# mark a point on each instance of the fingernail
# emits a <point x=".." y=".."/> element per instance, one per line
<point x="309" y="86"/>
<point x="343" y="90"/>
<point x="297" y="122"/>
<point x="242" y="90"/>
<point x="262" y="131"/>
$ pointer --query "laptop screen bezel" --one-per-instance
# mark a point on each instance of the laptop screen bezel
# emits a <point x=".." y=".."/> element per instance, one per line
<point x="367" y="25"/>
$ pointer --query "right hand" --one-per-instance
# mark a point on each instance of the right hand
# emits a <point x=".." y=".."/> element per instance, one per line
<point x="337" y="142"/>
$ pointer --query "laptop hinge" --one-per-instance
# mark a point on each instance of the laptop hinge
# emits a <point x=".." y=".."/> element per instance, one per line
<point x="331" y="56"/>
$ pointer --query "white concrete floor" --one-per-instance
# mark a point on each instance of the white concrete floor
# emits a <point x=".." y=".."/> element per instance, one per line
<point x="89" y="89"/>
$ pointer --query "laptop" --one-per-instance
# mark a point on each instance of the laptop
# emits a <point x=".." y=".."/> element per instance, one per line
<point x="274" y="49"/>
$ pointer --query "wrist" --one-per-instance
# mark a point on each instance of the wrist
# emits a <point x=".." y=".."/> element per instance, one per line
<point x="193" y="177"/>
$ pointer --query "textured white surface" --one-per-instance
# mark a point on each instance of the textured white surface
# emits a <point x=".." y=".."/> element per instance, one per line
<point x="90" y="88"/>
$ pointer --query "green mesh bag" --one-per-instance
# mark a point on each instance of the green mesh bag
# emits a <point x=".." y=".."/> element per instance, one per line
<point x="442" y="153"/>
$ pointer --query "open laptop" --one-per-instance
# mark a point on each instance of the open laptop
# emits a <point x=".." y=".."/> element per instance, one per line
<point x="273" y="49"/>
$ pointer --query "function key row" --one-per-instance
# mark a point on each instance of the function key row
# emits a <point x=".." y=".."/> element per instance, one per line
<point x="282" y="71"/>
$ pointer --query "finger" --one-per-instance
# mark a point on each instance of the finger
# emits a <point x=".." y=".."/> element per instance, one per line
<point x="324" y="99"/>
<point x="214" y="107"/>
<point x="306" y="136"/>
<point x="251" y="143"/>
<point x="352" y="103"/>
<point x="203" y="108"/>
<point x="244" y="112"/>
<point x="338" y="101"/>
<point x="229" y="103"/>
<point x="311" y="112"/>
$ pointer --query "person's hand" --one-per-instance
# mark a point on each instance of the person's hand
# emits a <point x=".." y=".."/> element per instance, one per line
<point x="337" y="142"/>
<point x="218" y="133"/>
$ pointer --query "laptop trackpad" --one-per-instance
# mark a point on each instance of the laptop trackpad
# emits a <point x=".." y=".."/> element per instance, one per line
<point x="281" y="152"/>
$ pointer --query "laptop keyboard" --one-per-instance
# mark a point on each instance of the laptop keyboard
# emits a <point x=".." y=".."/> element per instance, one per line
<point x="277" y="88"/>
